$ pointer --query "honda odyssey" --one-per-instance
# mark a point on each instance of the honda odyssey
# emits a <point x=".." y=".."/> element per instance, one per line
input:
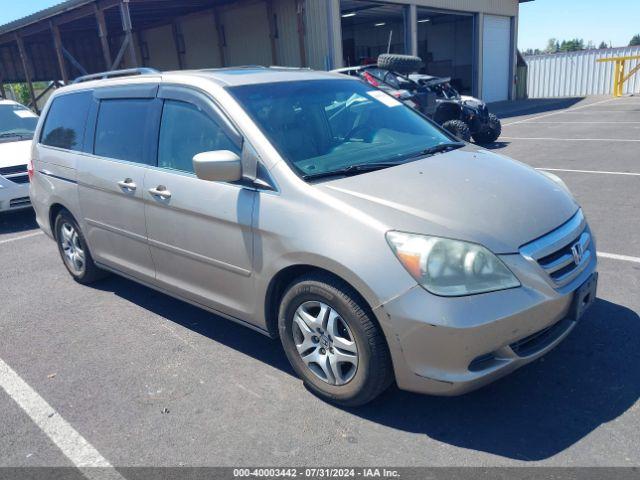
<point x="312" y="207"/>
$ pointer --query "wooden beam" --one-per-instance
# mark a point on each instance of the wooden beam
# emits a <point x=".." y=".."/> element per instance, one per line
<point x="127" y="27"/>
<point x="27" y="72"/>
<point x="301" y="32"/>
<point x="103" y="33"/>
<point x="57" y="43"/>
<point x="221" y="37"/>
<point x="58" y="19"/>
<point x="178" y="41"/>
<point x="273" y="31"/>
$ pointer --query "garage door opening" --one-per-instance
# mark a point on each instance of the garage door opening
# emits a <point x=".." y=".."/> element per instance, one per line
<point x="369" y="29"/>
<point x="446" y="46"/>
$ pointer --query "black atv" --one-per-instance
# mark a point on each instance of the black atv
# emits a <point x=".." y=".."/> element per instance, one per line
<point x="461" y="115"/>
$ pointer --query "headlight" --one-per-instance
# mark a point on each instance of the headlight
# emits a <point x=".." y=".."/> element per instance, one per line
<point x="450" y="267"/>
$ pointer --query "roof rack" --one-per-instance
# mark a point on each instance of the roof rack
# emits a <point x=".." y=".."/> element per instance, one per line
<point x="116" y="73"/>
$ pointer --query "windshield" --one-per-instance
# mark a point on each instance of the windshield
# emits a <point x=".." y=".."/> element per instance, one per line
<point x="321" y="126"/>
<point x="16" y="122"/>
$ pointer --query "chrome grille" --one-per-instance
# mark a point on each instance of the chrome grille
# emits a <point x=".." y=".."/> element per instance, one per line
<point x="19" y="202"/>
<point x="16" y="169"/>
<point x="563" y="253"/>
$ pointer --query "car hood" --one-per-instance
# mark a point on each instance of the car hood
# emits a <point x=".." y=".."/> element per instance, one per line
<point x="468" y="194"/>
<point x="14" y="153"/>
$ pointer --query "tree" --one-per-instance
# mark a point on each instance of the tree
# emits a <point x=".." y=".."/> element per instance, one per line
<point x="635" y="40"/>
<point x="22" y="93"/>
<point x="552" y="46"/>
<point x="603" y="45"/>
<point x="572" y="45"/>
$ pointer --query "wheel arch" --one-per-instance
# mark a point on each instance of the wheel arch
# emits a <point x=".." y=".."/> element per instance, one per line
<point x="287" y="275"/>
<point x="54" y="211"/>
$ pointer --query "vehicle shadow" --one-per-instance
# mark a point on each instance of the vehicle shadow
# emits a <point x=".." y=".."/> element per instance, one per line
<point x="218" y="329"/>
<point x="541" y="409"/>
<point x="495" y="145"/>
<point x="515" y="108"/>
<point x="532" y="414"/>
<point x="19" y="221"/>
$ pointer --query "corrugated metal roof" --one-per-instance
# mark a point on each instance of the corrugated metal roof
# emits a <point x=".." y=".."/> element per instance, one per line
<point x="42" y="15"/>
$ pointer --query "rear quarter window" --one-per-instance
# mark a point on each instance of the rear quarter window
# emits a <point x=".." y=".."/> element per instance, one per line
<point x="65" y="124"/>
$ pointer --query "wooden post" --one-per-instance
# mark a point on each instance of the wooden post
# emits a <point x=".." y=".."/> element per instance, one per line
<point x="127" y="27"/>
<point x="57" y="42"/>
<point x="178" y="41"/>
<point x="273" y="30"/>
<point x="221" y="37"/>
<point x="25" y="67"/>
<point x="3" y="93"/>
<point x="103" y="33"/>
<point x="301" y="33"/>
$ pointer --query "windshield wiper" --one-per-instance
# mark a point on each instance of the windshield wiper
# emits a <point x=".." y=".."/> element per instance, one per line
<point x="440" y="148"/>
<point x="370" y="167"/>
<point x="11" y="134"/>
<point x="352" y="170"/>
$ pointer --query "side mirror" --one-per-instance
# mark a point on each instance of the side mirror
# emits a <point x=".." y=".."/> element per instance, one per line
<point x="218" y="166"/>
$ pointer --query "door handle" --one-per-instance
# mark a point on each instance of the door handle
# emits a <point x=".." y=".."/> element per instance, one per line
<point x="127" y="184"/>
<point x="160" y="191"/>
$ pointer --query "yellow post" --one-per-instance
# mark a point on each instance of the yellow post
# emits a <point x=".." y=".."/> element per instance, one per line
<point x="618" y="72"/>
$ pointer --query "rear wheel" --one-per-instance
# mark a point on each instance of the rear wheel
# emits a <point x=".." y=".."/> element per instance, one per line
<point x="74" y="250"/>
<point x="332" y="341"/>
<point x="458" y="128"/>
<point x="490" y="134"/>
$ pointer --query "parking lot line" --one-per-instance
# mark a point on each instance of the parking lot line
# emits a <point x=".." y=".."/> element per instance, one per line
<point x="81" y="453"/>
<point x="588" y="171"/>
<point x="564" y="110"/>
<point x="21" y="237"/>
<point x="615" y="256"/>
<point x="585" y="123"/>
<point x="574" y="139"/>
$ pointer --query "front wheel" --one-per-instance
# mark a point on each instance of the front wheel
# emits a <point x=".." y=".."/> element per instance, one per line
<point x="458" y="128"/>
<point x="333" y="342"/>
<point x="490" y="134"/>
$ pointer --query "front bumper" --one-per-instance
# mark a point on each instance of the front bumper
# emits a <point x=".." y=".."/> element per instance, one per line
<point x="449" y="346"/>
<point x="13" y="196"/>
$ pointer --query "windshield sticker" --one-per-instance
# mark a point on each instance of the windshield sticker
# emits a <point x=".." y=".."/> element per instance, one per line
<point x="25" y="114"/>
<point x="383" y="98"/>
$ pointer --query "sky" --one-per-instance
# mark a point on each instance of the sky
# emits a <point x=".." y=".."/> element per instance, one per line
<point x="614" y="21"/>
<point x="611" y="21"/>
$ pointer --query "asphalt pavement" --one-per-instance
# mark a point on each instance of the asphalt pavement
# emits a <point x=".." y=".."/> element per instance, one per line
<point x="146" y="380"/>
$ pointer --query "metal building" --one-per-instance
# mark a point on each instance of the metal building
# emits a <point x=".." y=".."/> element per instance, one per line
<point x="472" y="41"/>
<point x="578" y="73"/>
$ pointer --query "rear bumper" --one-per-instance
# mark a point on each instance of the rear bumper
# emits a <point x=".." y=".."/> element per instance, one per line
<point x="450" y="346"/>
<point x="13" y="196"/>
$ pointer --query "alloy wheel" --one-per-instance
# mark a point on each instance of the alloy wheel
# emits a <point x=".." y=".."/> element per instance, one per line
<point x="325" y="343"/>
<point x="74" y="255"/>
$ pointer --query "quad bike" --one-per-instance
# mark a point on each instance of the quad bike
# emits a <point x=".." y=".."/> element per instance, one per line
<point x="463" y="116"/>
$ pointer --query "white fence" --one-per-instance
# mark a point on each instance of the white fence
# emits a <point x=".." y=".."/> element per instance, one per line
<point x="576" y="74"/>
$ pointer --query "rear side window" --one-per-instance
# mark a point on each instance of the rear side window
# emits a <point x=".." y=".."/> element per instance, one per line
<point x="122" y="127"/>
<point x="186" y="131"/>
<point x="66" y="120"/>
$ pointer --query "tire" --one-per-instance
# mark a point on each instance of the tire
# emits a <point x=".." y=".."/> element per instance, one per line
<point x="491" y="134"/>
<point x="70" y="240"/>
<point x="399" y="63"/>
<point x="458" y="128"/>
<point x="355" y="336"/>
